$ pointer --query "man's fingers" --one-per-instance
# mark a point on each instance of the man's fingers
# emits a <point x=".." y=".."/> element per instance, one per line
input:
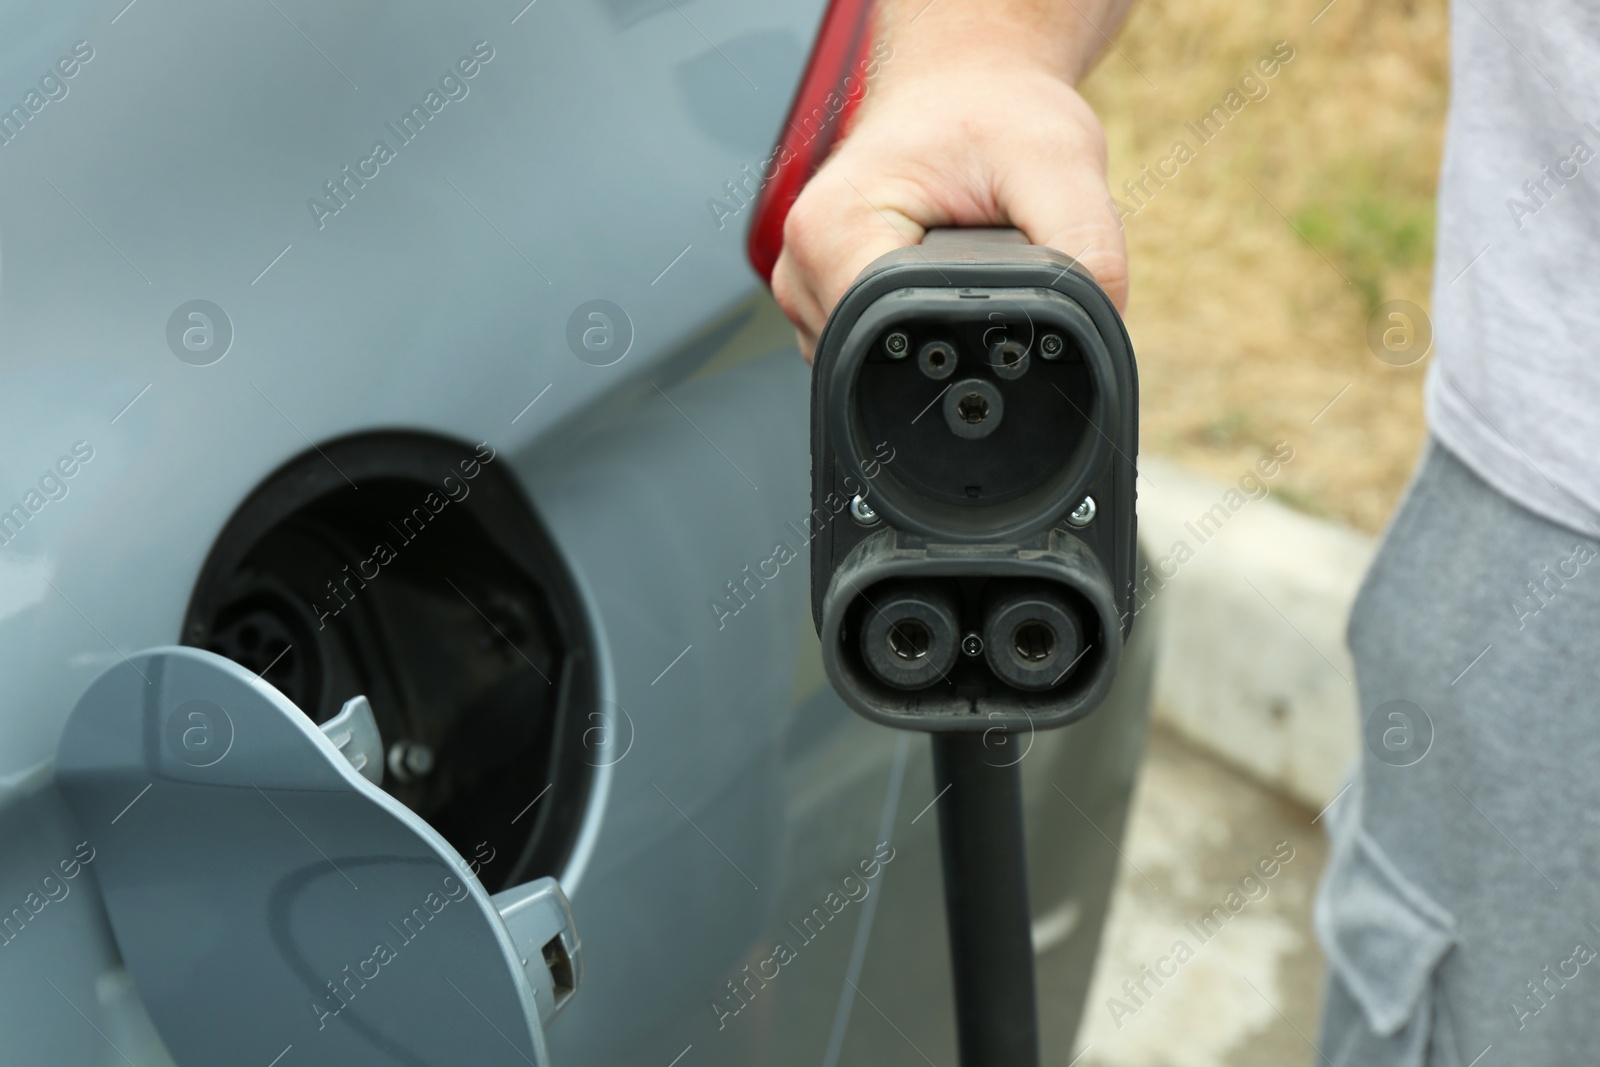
<point x="807" y="343"/>
<point x="1099" y="245"/>
<point x="874" y="235"/>
<point x="797" y="300"/>
<point x="1069" y="208"/>
<point x="832" y="233"/>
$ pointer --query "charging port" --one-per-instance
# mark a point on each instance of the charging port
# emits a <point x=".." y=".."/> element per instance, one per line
<point x="434" y="592"/>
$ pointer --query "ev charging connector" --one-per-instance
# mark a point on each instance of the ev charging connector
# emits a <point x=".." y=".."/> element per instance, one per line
<point x="985" y="585"/>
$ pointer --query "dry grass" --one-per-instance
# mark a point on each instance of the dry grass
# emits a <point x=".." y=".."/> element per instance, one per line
<point x="1244" y="327"/>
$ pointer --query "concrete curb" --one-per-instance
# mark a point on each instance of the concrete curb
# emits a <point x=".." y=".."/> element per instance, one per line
<point x="1254" y="603"/>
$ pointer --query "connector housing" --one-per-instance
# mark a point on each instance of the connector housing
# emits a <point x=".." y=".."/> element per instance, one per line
<point x="973" y="391"/>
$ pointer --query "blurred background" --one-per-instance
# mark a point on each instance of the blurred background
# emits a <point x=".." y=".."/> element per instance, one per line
<point x="1301" y="219"/>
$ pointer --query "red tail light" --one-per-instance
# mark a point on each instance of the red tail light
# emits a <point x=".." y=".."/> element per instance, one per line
<point x="834" y="82"/>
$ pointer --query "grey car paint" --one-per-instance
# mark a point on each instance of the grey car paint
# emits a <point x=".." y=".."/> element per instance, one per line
<point x="177" y="164"/>
<point x="262" y="846"/>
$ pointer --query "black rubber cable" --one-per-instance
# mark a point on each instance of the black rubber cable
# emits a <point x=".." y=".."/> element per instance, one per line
<point x="986" y="903"/>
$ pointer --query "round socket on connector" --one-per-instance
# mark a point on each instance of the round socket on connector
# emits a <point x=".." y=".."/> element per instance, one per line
<point x="1008" y="359"/>
<point x="1032" y="640"/>
<point x="973" y="408"/>
<point x="909" y="635"/>
<point x="937" y="359"/>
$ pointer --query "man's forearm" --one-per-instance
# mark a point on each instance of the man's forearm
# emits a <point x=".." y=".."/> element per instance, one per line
<point x="1065" y="36"/>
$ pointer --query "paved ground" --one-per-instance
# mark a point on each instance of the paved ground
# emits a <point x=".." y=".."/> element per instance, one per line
<point x="1244" y="991"/>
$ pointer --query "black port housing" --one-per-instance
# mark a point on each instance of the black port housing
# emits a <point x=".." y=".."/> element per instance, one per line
<point x="969" y="474"/>
<point x="412" y="570"/>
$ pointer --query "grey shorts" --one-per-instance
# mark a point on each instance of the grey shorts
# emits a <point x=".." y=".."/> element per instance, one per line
<point x="1460" y="910"/>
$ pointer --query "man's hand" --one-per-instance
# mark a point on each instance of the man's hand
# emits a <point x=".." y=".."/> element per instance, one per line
<point x="972" y="123"/>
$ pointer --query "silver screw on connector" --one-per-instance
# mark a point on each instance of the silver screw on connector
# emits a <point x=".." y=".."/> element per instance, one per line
<point x="897" y="344"/>
<point x="972" y="646"/>
<point x="862" y="512"/>
<point x="1083" y="514"/>
<point x="1051" y="346"/>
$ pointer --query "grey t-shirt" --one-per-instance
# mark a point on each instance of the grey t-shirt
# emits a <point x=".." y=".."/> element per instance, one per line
<point x="1514" y="389"/>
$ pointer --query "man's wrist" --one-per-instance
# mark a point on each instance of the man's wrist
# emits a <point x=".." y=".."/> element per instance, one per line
<point x="1051" y="36"/>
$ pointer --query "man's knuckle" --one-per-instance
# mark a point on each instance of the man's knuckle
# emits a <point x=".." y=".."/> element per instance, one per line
<point x="803" y="224"/>
<point x="783" y="291"/>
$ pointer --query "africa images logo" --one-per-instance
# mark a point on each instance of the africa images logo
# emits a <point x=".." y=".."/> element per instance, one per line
<point x="53" y="87"/>
<point x="343" y="587"/>
<point x="342" y="189"/>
